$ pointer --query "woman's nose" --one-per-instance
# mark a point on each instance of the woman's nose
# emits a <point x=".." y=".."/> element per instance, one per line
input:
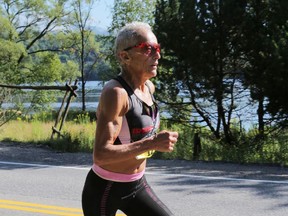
<point x="156" y="55"/>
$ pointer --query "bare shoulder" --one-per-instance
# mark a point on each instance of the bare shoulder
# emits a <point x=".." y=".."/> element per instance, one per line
<point x="114" y="98"/>
<point x="113" y="87"/>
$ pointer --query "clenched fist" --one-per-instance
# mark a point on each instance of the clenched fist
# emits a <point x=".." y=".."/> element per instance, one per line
<point x="165" y="141"/>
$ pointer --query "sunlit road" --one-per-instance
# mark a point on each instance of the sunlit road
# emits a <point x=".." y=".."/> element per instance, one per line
<point x="37" y="181"/>
<point x="33" y="189"/>
<point x="28" y="189"/>
<point x="38" y="208"/>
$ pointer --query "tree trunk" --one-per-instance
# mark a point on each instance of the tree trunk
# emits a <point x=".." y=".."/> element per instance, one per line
<point x="82" y="70"/>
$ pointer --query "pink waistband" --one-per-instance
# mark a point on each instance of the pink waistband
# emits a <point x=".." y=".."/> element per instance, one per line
<point x="117" y="177"/>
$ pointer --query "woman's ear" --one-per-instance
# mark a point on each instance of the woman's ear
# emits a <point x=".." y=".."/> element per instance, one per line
<point x="124" y="57"/>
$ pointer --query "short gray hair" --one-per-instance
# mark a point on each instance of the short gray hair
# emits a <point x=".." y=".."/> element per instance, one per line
<point x="130" y="34"/>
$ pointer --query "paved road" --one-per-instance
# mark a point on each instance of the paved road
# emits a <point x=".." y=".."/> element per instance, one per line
<point x="40" y="179"/>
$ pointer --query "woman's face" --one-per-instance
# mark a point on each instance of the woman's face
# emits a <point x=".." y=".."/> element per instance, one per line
<point x="144" y="56"/>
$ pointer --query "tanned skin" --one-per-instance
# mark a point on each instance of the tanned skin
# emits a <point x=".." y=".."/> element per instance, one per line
<point x="113" y="105"/>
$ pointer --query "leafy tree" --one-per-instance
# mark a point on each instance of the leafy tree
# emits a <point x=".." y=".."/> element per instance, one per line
<point x="10" y="51"/>
<point x="266" y="43"/>
<point x="201" y="61"/>
<point x="212" y="48"/>
<point x="29" y="39"/>
<point x="132" y="10"/>
<point x="86" y="49"/>
<point x="31" y="25"/>
<point x="126" y="11"/>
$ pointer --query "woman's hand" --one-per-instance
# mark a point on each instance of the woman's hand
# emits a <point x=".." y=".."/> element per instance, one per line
<point x="165" y="141"/>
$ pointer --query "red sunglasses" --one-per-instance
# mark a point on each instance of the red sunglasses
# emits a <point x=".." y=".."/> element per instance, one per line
<point x="148" y="48"/>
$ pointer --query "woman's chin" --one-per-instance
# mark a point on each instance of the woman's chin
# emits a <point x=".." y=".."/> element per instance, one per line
<point x="153" y="73"/>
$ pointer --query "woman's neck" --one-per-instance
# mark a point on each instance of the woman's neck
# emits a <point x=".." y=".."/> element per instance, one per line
<point x="132" y="81"/>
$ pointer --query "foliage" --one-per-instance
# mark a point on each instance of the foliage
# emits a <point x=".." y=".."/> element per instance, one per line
<point x="75" y="139"/>
<point x="27" y="51"/>
<point x="7" y="115"/>
<point x="273" y="151"/>
<point x="132" y="10"/>
<point x="201" y="61"/>
<point x="213" y="52"/>
<point x="125" y="12"/>
<point x="265" y="41"/>
<point x="9" y="55"/>
<point x="221" y="48"/>
<point x="82" y="118"/>
<point x="85" y="48"/>
<point x="37" y="45"/>
<point x="79" y="136"/>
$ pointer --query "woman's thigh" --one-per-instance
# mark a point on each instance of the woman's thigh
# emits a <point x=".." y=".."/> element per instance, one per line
<point x="97" y="198"/>
<point x="146" y="203"/>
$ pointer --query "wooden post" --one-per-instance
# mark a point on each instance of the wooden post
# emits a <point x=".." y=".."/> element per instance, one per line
<point x="72" y="93"/>
<point x="68" y="88"/>
<point x="59" y="115"/>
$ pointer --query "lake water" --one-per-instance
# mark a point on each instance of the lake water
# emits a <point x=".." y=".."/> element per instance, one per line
<point x="93" y="90"/>
<point x="247" y="115"/>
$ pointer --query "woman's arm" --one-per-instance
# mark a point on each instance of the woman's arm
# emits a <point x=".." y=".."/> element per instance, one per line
<point x="113" y="105"/>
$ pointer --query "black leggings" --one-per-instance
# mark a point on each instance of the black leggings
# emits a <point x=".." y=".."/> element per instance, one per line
<point x="101" y="197"/>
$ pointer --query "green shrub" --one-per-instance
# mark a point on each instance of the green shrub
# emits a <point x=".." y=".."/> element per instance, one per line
<point x="72" y="143"/>
<point x="78" y="135"/>
<point x="82" y="118"/>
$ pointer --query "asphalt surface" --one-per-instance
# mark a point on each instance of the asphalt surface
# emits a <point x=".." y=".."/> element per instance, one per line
<point x="187" y="187"/>
<point x="16" y="152"/>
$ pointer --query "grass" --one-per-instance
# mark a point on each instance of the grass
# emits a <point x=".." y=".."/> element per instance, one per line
<point x="20" y="131"/>
<point x="76" y="136"/>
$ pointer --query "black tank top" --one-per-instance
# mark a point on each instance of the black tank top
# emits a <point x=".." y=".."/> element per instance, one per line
<point x="141" y="120"/>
